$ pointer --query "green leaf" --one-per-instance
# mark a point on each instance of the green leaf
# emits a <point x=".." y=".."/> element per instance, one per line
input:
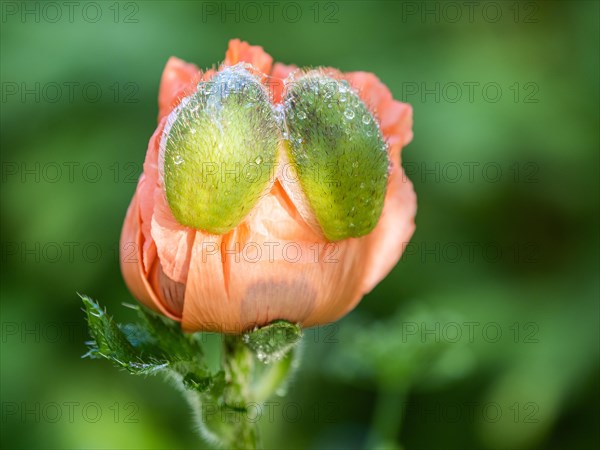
<point x="167" y="335"/>
<point x="111" y="342"/>
<point x="156" y="344"/>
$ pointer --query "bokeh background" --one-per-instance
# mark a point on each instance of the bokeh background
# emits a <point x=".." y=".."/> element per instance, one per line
<point x="486" y="333"/>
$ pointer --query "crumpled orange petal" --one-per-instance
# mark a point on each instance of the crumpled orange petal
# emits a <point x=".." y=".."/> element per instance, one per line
<point x="136" y="278"/>
<point x="272" y="267"/>
<point x="240" y="51"/>
<point x="206" y="304"/>
<point x="276" y="82"/>
<point x="174" y="241"/>
<point x="395" y="117"/>
<point x="176" y="76"/>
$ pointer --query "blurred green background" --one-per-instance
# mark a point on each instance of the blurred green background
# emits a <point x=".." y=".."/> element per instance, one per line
<point x="486" y="333"/>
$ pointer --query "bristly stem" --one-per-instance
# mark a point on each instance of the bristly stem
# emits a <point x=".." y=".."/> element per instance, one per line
<point x="238" y="366"/>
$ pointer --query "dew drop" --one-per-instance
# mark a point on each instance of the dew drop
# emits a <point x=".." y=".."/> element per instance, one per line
<point x="366" y="119"/>
<point x="301" y="115"/>
<point x="178" y="160"/>
<point x="349" y="114"/>
<point x="258" y="160"/>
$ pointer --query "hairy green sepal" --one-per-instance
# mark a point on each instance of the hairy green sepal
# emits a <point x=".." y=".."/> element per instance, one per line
<point x="219" y="149"/>
<point x="339" y="154"/>
<point x="272" y="342"/>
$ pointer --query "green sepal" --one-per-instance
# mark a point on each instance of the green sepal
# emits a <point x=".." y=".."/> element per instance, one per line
<point x="272" y="342"/>
<point x="219" y="151"/>
<point x="338" y="151"/>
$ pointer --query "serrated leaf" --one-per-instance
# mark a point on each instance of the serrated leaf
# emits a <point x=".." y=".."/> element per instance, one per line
<point x="167" y="335"/>
<point x="110" y="342"/>
<point x="156" y="344"/>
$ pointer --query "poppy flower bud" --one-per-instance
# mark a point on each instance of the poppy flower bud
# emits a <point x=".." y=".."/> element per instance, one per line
<point x="267" y="194"/>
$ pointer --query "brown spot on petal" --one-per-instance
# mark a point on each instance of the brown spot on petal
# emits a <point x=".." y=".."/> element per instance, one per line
<point x="266" y="301"/>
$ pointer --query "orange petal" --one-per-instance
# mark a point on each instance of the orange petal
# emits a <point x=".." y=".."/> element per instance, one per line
<point x="206" y="306"/>
<point x="241" y="51"/>
<point x="300" y="277"/>
<point x="276" y="82"/>
<point x="131" y="246"/>
<point x="177" y="76"/>
<point x="282" y="70"/>
<point x="147" y="187"/>
<point x="294" y="195"/>
<point x="395" y="228"/>
<point x="169" y="293"/>
<point x="396" y="123"/>
<point x="173" y="240"/>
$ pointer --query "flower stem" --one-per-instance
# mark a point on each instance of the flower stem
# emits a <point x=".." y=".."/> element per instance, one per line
<point x="238" y="365"/>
